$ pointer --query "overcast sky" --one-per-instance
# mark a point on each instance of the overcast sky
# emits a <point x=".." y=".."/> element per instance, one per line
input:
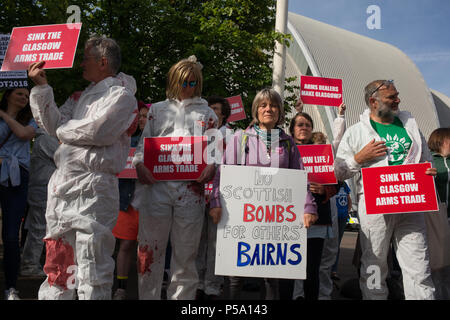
<point x="420" y="28"/>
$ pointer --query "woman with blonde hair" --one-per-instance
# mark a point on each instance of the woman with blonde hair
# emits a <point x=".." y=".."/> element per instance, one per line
<point x="172" y="208"/>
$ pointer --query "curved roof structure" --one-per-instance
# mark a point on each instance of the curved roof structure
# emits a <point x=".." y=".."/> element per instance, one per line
<point x="442" y="103"/>
<point x="319" y="49"/>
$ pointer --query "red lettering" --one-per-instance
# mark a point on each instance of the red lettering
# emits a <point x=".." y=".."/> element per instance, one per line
<point x="270" y="214"/>
<point x="280" y="210"/>
<point x="248" y="215"/>
<point x="259" y="211"/>
<point x="294" y="216"/>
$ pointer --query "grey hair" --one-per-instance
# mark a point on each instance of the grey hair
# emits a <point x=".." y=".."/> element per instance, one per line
<point x="102" y="46"/>
<point x="273" y="97"/>
<point x="369" y="90"/>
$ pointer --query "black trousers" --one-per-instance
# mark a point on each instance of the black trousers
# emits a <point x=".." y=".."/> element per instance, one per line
<point x="314" y="256"/>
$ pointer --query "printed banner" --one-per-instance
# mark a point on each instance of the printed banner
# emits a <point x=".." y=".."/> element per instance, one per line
<point x="399" y="189"/>
<point x="55" y="44"/>
<point x="237" y="109"/>
<point x="130" y="171"/>
<point x="318" y="161"/>
<point x="175" y="158"/>
<point x="321" y="91"/>
<point x="261" y="232"/>
<point x="10" y="79"/>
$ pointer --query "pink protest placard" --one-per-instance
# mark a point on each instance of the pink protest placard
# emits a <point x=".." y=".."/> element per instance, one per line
<point x="318" y="161"/>
<point x="399" y="189"/>
<point x="175" y="158"/>
<point x="55" y="44"/>
<point x="130" y="171"/>
<point x="321" y="91"/>
<point x="237" y="109"/>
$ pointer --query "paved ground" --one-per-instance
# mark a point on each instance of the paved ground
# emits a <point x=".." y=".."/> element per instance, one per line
<point x="28" y="287"/>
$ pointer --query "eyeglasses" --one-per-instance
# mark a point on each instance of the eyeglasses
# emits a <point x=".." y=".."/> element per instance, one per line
<point x="384" y="83"/>
<point x="192" y="84"/>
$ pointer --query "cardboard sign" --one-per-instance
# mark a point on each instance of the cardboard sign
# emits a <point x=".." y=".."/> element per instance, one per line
<point x="55" y="44"/>
<point x="321" y="91"/>
<point x="318" y="161"/>
<point x="130" y="171"/>
<point x="175" y="158"/>
<point x="399" y="189"/>
<point x="237" y="109"/>
<point x="10" y="79"/>
<point x="261" y="232"/>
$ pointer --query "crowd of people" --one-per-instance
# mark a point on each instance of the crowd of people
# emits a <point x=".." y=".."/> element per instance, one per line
<point x="67" y="187"/>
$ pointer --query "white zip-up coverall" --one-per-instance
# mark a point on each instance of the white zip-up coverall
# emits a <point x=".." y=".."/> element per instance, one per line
<point x="407" y="230"/>
<point x="171" y="207"/>
<point x="83" y="194"/>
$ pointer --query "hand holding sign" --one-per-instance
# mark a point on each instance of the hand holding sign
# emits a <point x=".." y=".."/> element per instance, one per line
<point x="299" y="105"/>
<point x="144" y="174"/>
<point x="216" y="214"/>
<point x="207" y="174"/>
<point x="341" y="110"/>
<point x="36" y="73"/>
<point x="431" y="172"/>
<point x="309" y="219"/>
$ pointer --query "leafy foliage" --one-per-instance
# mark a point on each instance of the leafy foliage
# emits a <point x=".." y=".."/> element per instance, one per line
<point x="233" y="39"/>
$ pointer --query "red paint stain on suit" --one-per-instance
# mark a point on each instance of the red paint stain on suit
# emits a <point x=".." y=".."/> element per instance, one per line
<point x="59" y="256"/>
<point x="145" y="259"/>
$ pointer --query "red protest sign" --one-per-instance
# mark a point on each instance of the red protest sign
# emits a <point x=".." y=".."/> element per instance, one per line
<point x="321" y="91"/>
<point x="130" y="171"/>
<point x="237" y="109"/>
<point x="318" y="161"/>
<point x="175" y="158"/>
<point x="208" y="190"/>
<point x="55" y="44"/>
<point x="399" y="189"/>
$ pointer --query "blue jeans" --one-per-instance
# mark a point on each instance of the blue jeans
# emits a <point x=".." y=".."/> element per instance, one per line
<point x="13" y="202"/>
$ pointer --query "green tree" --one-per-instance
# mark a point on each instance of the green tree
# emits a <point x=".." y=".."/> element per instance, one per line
<point x="233" y="39"/>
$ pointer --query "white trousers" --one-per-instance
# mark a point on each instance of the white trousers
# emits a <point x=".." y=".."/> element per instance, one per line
<point x="81" y="211"/>
<point x="175" y="210"/>
<point x="408" y="233"/>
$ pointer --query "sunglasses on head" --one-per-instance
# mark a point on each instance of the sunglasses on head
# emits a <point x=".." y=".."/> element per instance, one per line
<point x="384" y="83"/>
<point x="191" y="84"/>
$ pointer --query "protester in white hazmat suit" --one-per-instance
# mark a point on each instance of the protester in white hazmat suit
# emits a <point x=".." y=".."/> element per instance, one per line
<point x="367" y="144"/>
<point x="83" y="195"/>
<point x="42" y="167"/>
<point x="174" y="208"/>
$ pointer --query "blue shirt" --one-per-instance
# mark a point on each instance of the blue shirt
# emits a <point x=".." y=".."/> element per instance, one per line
<point x="342" y="201"/>
<point x="14" y="153"/>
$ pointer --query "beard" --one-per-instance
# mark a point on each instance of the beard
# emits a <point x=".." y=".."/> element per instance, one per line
<point x="385" y="112"/>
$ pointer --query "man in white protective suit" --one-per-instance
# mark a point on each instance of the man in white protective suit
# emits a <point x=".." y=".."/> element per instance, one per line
<point x="369" y="143"/>
<point x="83" y="196"/>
